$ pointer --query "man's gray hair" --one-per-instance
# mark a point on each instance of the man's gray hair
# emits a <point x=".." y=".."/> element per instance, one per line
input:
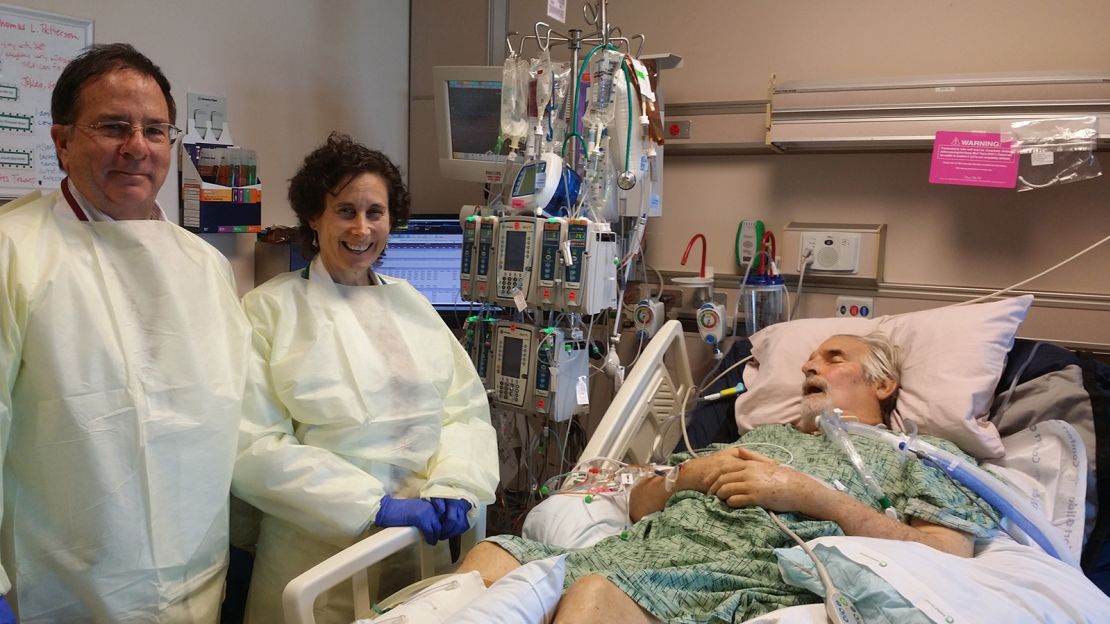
<point x="882" y="362"/>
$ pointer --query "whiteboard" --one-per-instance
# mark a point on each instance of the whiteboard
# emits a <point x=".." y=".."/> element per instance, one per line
<point x="34" y="48"/>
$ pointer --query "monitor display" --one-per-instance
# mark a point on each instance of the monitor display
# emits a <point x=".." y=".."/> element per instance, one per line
<point x="468" y="124"/>
<point x="474" y="113"/>
<point x="427" y="253"/>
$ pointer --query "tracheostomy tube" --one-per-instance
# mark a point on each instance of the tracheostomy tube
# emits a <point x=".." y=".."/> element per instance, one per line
<point x="833" y="427"/>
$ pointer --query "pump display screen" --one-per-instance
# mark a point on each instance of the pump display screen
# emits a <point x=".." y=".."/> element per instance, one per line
<point x="527" y="185"/>
<point x="511" y="355"/>
<point x="514" y="250"/>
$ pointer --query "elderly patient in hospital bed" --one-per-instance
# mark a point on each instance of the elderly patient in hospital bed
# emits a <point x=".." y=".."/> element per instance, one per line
<point x="703" y="544"/>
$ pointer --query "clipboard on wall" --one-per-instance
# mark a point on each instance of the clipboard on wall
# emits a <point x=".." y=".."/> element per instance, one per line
<point x="34" y="48"/>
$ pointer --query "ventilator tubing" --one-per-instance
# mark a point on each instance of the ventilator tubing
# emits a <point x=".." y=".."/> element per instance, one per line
<point x="1006" y="500"/>
<point x="833" y="427"/>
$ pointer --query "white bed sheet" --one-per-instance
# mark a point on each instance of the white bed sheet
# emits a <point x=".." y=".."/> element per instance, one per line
<point x="1004" y="582"/>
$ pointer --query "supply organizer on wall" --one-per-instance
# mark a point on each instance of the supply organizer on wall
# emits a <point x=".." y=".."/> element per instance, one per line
<point x="220" y="191"/>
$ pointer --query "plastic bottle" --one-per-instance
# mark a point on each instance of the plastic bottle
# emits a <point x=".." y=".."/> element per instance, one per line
<point x="763" y="301"/>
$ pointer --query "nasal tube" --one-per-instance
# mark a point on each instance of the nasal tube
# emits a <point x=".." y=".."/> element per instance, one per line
<point x="834" y="429"/>
<point x="1006" y="500"/>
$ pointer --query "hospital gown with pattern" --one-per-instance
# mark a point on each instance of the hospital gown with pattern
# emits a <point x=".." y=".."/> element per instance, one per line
<point x="698" y="560"/>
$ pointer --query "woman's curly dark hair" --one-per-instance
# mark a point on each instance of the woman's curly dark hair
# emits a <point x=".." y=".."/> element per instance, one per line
<point x="329" y="168"/>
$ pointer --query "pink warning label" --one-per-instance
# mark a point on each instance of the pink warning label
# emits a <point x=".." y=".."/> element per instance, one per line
<point x="973" y="159"/>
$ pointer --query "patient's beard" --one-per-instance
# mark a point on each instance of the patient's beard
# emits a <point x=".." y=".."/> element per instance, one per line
<point x="813" y="405"/>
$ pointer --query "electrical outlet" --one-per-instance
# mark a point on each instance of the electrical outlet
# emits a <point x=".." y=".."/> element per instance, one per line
<point x="855" y="307"/>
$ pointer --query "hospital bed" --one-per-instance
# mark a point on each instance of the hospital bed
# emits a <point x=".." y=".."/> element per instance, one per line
<point x="1011" y="581"/>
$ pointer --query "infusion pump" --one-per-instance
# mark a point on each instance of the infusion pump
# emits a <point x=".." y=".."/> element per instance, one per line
<point x="516" y="250"/>
<point x="548" y="263"/>
<point x="514" y="359"/>
<point x="536" y="370"/>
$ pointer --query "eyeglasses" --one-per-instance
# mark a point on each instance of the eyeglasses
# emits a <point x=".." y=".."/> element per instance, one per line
<point x="122" y="130"/>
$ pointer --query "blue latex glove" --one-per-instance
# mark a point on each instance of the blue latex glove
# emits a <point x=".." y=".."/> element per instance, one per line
<point x="6" y="615"/>
<point x="452" y="516"/>
<point x="414" y="512"/>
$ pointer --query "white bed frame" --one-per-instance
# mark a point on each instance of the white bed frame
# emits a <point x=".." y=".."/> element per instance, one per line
<point x="642" y="417"/>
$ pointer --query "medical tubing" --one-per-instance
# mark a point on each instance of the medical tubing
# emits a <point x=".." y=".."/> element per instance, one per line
<point x="833" y="427"/>
<point x="628" y="99"/>
<point x="628" y="88"/>
<point x="807" y="259"/>
<point x="1023" y="282"/>
<point x="725" y="372"/>
<point x="724" y="394"/>
<point x="1017" y="376"/>
<point x="1008" y="501"/>
<point x="566" y="140"/>
<point x="822" y="572"/>
<point x="682" y="423"/>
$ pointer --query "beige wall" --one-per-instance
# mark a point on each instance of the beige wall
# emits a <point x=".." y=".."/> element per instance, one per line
<point x="291" y="70"/>
<point x="440" y="37"/>
<point x="944" y="236"/>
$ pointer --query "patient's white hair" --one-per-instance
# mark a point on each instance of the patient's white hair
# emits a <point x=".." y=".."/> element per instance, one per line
<point x="881" y="362"/>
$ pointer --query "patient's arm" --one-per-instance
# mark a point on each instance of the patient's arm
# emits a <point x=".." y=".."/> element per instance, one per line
<point x="650" y="494"/>
<point x="764" y="482"/>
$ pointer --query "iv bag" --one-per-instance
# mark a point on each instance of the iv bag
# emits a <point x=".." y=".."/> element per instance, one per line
<point x="600" y="112"/>
<point x="514" y="100"/>
<point x="553" y="139"/>
<point x="542" y="76"/>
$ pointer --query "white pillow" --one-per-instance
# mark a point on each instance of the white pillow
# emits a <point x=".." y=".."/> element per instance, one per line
<point x="571" y="522"/>
<point x="1047" y="462"/>
<point x="952" y="359"/>
<point x="436" y="603"/>
<point x="527" y="595"/>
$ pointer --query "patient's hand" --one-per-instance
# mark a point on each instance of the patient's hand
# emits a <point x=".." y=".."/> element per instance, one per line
<point x="702" y="472"/>
<point x="758" y="480"/>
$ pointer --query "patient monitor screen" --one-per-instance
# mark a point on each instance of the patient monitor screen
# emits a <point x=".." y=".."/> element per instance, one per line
<point x="511" y="356"/>
<point x="514" y="250"/>
<point x="474" y="112"/>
